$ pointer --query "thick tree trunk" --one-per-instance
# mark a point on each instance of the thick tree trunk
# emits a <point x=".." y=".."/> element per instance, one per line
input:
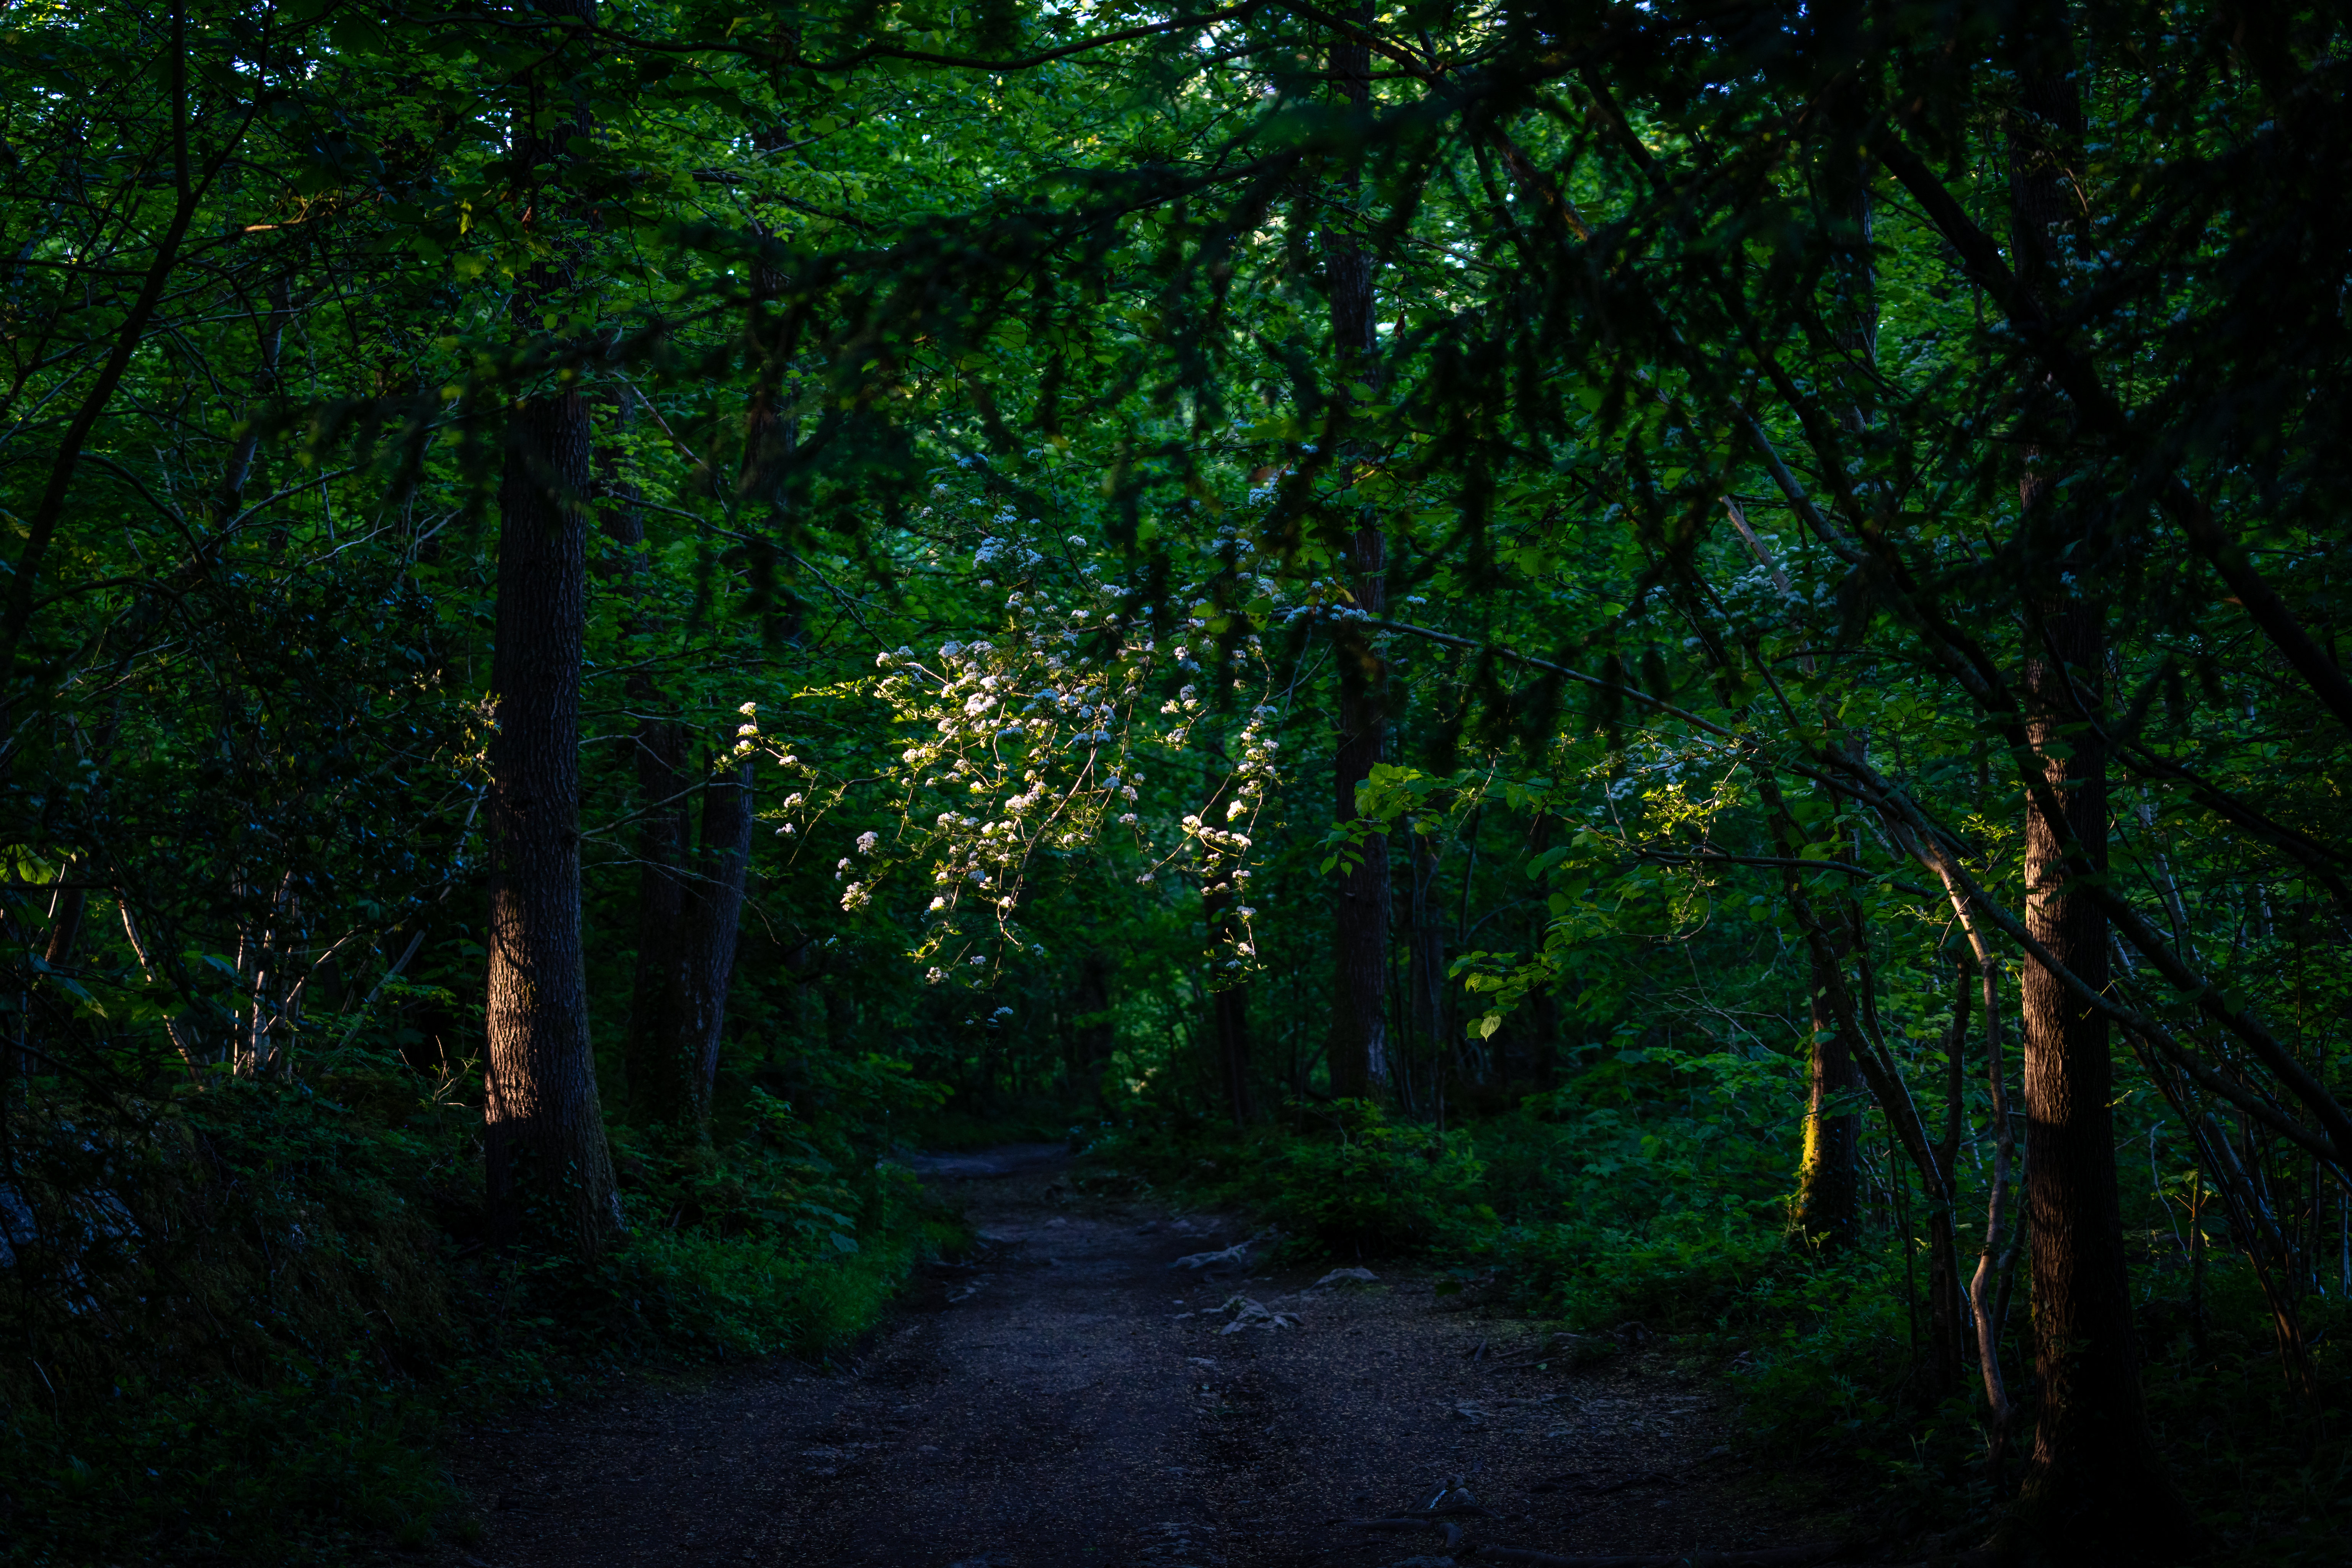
<point x="1827" y="1182"/>
<point x="2093" y="1490"/>
<point x="1359" y="1051"/>
<point x="1828" y="1209"/>
<point x="548" y="1166"/>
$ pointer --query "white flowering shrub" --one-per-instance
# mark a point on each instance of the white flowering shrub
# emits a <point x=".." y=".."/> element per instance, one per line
<point x="1040" y="739"/>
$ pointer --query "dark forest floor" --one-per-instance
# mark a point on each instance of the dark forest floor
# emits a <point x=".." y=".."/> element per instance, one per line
<point x="1066" y="1401"/>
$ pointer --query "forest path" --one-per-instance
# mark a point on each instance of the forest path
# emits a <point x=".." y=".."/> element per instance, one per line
<point x="1066" y="1401"/>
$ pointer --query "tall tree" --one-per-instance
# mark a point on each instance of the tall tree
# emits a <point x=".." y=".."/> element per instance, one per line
<point x="2094" y="1488"/>
<point x="2093" y="1485"/>
<point x="1827" y="1210"/>
<point x="549" y="1166"/>
<point x="1359" y="1052"/>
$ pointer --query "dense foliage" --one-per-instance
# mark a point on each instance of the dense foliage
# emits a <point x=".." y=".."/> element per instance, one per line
<point x="1687" y="653"/>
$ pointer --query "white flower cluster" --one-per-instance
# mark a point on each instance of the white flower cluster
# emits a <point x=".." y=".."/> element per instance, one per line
<point x="1027" y="743"/>
<point x="1224" y="851"/>
<point x="1029" y="734"/>
<point x="1008" y="555"/>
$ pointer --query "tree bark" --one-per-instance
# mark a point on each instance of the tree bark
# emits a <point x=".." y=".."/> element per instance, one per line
<point x="1359" y="1051"/>
<point x="1827" y="1182"/>
<point x="1828" y="1208"/>
<point x="549" y="1168"/>
<point x="548" y="1164"/>
<point x="2094" y="1489"/>
<point x="682" y="1064"/>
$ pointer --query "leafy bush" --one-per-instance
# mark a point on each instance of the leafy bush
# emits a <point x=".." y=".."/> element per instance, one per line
<point x="1373" y="1188"/>
<point x="759" y="1295"/>
<point x="247" y="1309"/>
<point x="1687" y="1272"/>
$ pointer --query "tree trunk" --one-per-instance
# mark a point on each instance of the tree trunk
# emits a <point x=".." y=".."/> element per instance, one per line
<point x="1828" y="1212"/>
<point x="1359" y="1023"/>
<point x="2093" y="1490"/>
<point x="1827" y="1182"/>
<point x="683" y="1062"/>
<point x="548" y="1166"/>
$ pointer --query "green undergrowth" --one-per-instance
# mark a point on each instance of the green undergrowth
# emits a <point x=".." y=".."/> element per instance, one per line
<point x="1657" y="1224"/>
<point x="241" y="1318"/>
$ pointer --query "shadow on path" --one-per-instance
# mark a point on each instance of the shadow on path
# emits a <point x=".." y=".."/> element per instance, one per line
<point x="1075" y="1398"/>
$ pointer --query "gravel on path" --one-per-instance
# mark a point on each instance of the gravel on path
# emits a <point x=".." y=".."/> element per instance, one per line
<point x="1077" y="1397"/>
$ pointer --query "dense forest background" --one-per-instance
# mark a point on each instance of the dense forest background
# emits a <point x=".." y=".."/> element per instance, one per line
<point x="1682" y="657"/>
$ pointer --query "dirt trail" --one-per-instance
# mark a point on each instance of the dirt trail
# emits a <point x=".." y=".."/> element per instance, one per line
<point x="1071" y="1401"/>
